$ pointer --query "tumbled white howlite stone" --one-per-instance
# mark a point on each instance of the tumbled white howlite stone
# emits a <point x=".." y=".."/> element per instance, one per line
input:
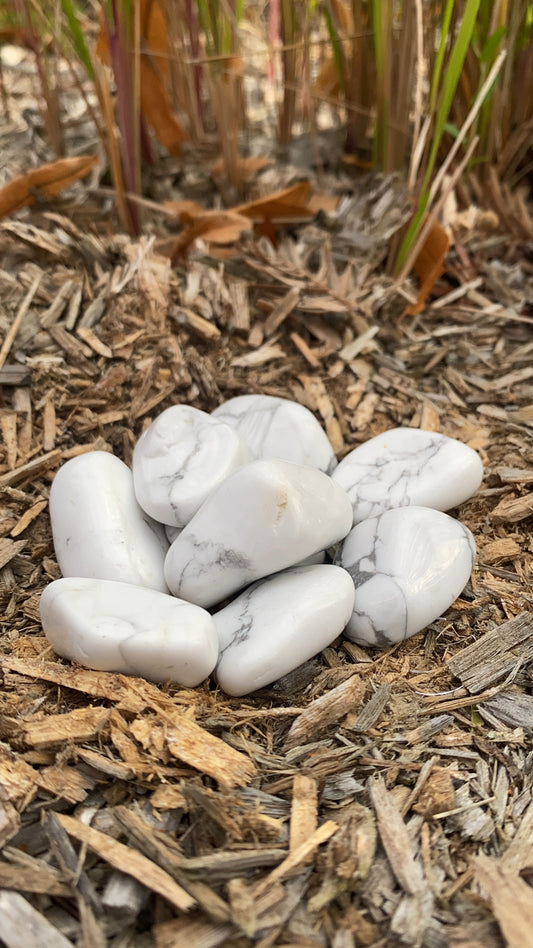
<point x="264" y="517"/>
<point x="116" y="627"/>
<point x="99" y="529"/>
<point x="408" y="466"/>
<point x="278" y="623"/>
<point x="408" y="565"/>
<point x="278" y="428"/>
<point x="180" y="459"/>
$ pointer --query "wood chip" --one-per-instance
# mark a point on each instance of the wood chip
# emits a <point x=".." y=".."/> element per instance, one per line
<point x="493" y="656"/>
<point x="321" y="402"/>
<point x="92" y="340"/>
<point x="326" y="710"/>
<point x="513" y="509"/>
<point x="283" y="308"/>
<point x="497" y="551"/>
<point x="194" y="746"/>
<point x="9" y="826"/>
<point x="187" y="317"/>
<point x="9" y="549"/>
<point x="28" y="517"/>
<point x="18" y="919"/>
<point x="81" y="724"/>
<point x="304" y="810"/>
<point x="395" y="839"/>
<point x="297" y="857"/>
<point x="511" y="899"/>
<point x="30" y="470"/>
<point x="17" y="322"/>
<point x="307" y="353"/>
<point x="261" y="356"/>
<point x="128" y="860"/>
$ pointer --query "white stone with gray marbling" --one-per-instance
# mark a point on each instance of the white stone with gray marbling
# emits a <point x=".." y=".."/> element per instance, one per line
<point x="408" y="565"/>
<point x="117" y="627"/>
<point x="266" y="516"/>
<point x="278" y="428"/>
<point x="99" y="529"/>
<point x="278" y="623"/>
<point x="180" y="459"/>
<point x="407" y="466"/>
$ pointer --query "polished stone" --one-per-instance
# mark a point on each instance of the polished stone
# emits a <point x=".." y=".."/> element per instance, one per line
<point x="116" y="627"/>
<point x="278" y="623"/>
<point x="266" y="516"/>
<point x="408" y="565"/>
<point x="278" y="428"/>
<point x="180" y="459"/>
<point x="407" y="466"/>
<point x="99" y="529"/>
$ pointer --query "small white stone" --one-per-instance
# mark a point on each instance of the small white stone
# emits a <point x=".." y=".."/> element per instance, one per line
<point x="116" y="627"/>
<point x="278" y="428"/>
<point x="264" y="517"/>
<point x="278" y="623"/>
<point x="407" y="466"/>
<point x="408" y="565"/>
<point x="180" y="459"/>
<point x="99" y="529"/>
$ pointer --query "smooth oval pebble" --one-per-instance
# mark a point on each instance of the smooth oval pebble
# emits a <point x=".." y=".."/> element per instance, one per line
<point x="278" y="428"/>
<point x="99" y="529"/>
<point x="266" y="516"/>
<point x="407" y="565"/>
<point x="407" y="466"/>
<point x="180" y="459"/>
<point x="116" y="627"/>
<point x="278" y="623"/>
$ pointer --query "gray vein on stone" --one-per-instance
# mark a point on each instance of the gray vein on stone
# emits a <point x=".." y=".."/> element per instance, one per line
<point x="218" y="555"/>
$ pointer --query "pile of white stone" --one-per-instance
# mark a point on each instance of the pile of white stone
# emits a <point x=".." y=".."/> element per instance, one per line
<point x="215" y="553"/>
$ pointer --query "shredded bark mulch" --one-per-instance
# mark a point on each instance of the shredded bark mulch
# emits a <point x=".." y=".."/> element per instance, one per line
<point x="368" y="798"/>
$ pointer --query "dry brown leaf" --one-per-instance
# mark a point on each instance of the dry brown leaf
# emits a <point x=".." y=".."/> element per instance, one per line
<point x="323" y="202"/>
<point x="221" y="228"/>
<point x="157" y="109"/>
<point x="245" y="166"/>
<point x="47" y="180"/>
<point x="155" y="103"/>
<point x="286" y="205"/>
<point x="429" y="265"/>
<point x="216" y="227"/>
<point x="185" y="211"/>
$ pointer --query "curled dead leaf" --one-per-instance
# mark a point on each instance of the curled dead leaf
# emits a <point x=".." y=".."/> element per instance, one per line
<point x="215" y="227"/>
<point x="155" y="104"/>
<point x="429" y="265"/>
<point x="47" y="180"/>
<point x="246" y="167"/>
<point x="287" y="205"/>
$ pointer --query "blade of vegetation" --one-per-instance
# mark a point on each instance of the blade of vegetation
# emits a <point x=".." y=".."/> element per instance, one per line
<point x="76" y="36"/>
<point x="443" y="100"/>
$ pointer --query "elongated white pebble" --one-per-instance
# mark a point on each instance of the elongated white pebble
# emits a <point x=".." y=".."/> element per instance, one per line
<point x="278" y="428"/>
<point x="408" y="467"/>
<point x="266" y="516"/>
<point x="117" y="627"/>
<point x="407" y="566"/>
<point x="99" y="529"/>
<point x="280" y="622"/>
<point x="180" y="459"/>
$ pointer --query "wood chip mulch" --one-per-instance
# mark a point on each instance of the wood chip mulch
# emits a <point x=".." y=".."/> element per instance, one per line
<point x="373" y="798"/>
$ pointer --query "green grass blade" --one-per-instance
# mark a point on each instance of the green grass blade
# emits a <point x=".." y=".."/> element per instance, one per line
<point x="77" y="37"/>
<point x="336" y="48"/>
<point x="439" y="60"/>
<point x="449" y="85"/>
